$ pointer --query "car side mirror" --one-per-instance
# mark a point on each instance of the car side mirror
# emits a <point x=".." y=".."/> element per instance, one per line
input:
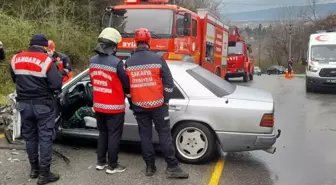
<point x="304" y="61"/>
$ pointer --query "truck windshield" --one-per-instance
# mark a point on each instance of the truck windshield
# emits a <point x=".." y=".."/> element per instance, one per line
<point x="322" y="53"/>
<point x="158" y="21"/>
<point x="236" y="50"/>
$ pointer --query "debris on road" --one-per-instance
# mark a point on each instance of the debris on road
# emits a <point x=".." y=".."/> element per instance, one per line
<point x="18" y="147"/>
<point x="5" y="114"/>
<point x="13" y="160"/>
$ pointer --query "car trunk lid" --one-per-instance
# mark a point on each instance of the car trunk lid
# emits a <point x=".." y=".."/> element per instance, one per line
<point x="252" y="94"/>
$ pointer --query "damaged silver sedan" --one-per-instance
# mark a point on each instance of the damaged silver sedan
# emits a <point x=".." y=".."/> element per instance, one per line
<point x="207" y="115"/>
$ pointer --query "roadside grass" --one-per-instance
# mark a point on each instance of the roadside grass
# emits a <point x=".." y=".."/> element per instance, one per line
<point x="70" y="39"/>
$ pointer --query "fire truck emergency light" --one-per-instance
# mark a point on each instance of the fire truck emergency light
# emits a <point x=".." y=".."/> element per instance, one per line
<point x="144" y="1"/>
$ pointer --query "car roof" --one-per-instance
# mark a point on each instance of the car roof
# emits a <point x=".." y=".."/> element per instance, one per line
<point x="191" y="87"/>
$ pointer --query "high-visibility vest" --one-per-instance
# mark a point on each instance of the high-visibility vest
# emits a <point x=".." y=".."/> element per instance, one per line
<point x="146" y="85"/>
<point x="35" y="64"/>
<point x="108" y="93"/>
<point x="60" y="66"/>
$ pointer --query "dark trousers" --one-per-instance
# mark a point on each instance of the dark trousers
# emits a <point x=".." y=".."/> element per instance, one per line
<point x="160" y="117"/>
<point x="110" y="127"/>
<point x="38" y="131"/>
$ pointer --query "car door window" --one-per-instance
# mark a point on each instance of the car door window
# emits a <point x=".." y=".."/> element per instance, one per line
<point x="177" y="94"/>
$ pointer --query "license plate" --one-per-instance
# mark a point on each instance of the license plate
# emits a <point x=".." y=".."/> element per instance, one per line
<point x="331" y="81"/>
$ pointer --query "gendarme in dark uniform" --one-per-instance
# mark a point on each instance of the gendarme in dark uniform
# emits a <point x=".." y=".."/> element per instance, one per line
<point x="37" y="78"/>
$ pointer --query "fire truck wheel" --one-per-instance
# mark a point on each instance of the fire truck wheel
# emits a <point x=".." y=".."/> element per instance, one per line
<point x="226" y="78"/>
<point x="218" y="72"/>
<point x="194" y="142"/>
<point x="251" y="77"/>
<point x="245" y="77"/>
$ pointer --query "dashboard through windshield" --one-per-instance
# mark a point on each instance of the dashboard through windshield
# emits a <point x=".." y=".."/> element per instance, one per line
<point x="158" y="21"/>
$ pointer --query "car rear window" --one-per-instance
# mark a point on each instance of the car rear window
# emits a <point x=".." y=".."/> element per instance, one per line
<point x="212" y="82"/>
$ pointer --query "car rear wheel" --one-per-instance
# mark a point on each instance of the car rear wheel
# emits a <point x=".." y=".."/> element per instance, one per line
<point x="194" y="142"/>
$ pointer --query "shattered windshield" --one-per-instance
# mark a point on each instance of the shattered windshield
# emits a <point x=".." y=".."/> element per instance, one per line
<point x="323" y="53"/>
<point x="236" y="50"/>
<point x="158" y="21"/>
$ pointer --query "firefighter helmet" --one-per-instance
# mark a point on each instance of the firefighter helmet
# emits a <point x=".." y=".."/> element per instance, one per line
<point x="142" y="35"/>
<point x="111" y="34"/>
<point x="51" y="45"/>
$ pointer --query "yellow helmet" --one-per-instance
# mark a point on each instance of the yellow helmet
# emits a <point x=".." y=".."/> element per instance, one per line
<point x="111" y="34"/>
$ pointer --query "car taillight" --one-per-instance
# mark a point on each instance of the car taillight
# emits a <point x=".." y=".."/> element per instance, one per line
<point x="267" y="120"/>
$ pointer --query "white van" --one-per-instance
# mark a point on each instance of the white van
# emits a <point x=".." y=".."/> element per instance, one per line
<point x="321" y="61"/>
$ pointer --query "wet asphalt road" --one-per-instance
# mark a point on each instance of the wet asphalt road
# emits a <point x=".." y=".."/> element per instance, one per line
<point x="306" y="154"/>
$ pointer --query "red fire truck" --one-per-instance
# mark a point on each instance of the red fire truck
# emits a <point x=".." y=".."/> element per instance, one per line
<point x="240" y="63"/>
<point x="177" y="33"/>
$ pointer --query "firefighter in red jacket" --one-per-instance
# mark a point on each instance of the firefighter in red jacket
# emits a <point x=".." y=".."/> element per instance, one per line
<point x="110" y="83"/>
<point x="151" y="85"/>
<point x="62" y="61"/>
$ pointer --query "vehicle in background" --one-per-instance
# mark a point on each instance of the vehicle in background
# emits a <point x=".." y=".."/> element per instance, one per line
<point x="240" y="63"/>
<point x="239" y="118"/>
<point x="275" y="70"/>
<point x="178" y="34"/>
<point x="321" y="61"/>
<point x="257" y="70"/>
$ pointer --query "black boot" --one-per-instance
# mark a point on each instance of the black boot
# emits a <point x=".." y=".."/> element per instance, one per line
<point x="150" y="170"/>
<point x="34" y="170"/>
<point x="46" y="176"/>
<point x="176" y="172"/>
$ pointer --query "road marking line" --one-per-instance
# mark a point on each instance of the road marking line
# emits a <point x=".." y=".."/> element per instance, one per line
<point x="2" y="136"/>
<point x="217" y="173"/>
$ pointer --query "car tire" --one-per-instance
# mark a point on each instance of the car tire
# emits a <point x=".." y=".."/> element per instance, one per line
<point x="245" y="77"/>
<point x="206" y="135"/>
<point x="309" y="88"/>
<point x="269" y="73"/>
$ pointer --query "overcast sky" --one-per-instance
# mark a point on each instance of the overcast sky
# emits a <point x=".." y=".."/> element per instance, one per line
<point x="232" y="6"/>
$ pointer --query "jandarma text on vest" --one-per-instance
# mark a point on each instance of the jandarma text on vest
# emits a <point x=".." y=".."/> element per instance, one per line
<point x="28" y="59"/>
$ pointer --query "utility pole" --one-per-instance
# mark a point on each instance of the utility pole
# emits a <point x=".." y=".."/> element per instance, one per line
<point x="259" y="52"/>
<point x="290" y="41"/>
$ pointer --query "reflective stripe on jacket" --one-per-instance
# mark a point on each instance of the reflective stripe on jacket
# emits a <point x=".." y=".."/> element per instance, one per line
<point x="108" y="93"/>
<point x="151" y="82"/>
<point x="35" y="75"/>
<point x="146" y="85"/>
